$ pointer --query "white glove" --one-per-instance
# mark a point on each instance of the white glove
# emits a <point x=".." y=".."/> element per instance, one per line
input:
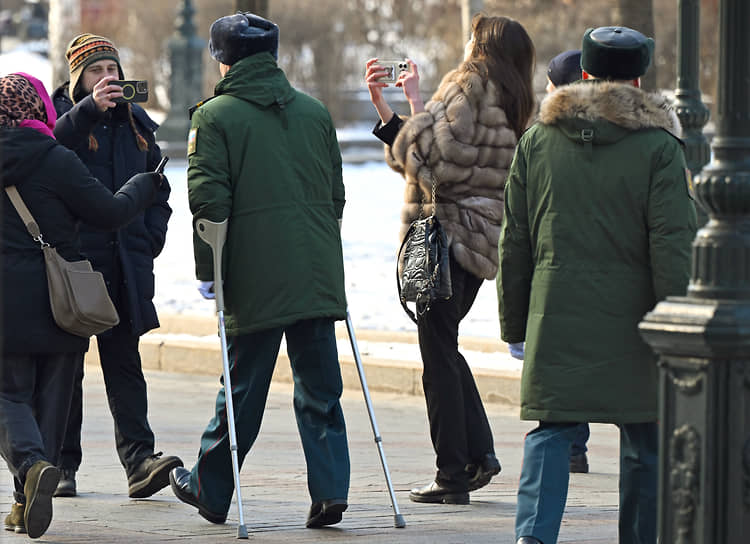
<point x="516" y="350"/>
<point x="206" y="289"/>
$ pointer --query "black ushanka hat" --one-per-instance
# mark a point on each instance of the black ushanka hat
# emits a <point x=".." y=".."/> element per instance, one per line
<point x="237" y="36"/>
<point x="616" y="52"/>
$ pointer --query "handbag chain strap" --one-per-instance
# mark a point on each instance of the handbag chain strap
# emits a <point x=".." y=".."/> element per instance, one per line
<point x="28" y="219"/>
<point x="434" y="199"/>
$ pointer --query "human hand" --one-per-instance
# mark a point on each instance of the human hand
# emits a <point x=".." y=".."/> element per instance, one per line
<point x="103" y="93"/>
<point x="516" y="350"/>
<point x="206" y="289"/>
<point x="373" y="73"/>
<point x="409" y="83"/>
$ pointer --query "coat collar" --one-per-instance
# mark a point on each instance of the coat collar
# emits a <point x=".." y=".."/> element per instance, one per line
<point x="618" y="103"/>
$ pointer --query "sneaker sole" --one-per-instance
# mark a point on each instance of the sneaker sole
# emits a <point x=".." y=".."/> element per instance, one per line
<point x="446" y="498"/>
<point x="329" y="516"/>
<point x="156" y="481"/>
<point x="38" y="514"/>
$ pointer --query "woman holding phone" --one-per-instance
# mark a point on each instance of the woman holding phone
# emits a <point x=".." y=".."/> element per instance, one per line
<point x="463" y="140"/>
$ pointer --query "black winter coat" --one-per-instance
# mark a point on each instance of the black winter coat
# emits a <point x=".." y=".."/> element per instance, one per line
<point x="126" y="256"/>
<point x="59" y="191"/>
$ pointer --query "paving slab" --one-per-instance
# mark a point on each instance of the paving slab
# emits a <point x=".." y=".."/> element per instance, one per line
<point x="274" y="483"/>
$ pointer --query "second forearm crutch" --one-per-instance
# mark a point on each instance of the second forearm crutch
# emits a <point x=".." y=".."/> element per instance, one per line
<point x="215" y="234"/>
<point x="398" y="519"/>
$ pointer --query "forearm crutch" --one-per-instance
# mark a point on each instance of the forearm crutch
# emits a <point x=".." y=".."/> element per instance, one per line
<point x="215" y="234"/>
<point x="398" y="519"/>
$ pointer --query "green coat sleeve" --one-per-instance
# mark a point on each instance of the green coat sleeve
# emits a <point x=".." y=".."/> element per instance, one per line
<point x="516" y="263"/>
<point x="671" y="223"/>
<point x="209" y="183"/>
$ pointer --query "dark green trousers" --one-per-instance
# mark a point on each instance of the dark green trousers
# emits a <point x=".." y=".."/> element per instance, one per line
<point x="311" y="346"/>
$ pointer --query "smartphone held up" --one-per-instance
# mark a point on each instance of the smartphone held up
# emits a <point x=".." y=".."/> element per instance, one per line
<point x="393" y="68"/>
<point x="132" y="90"/>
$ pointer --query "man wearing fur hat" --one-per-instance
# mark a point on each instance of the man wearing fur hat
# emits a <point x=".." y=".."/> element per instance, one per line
<point x="265" y="156"/>
<point x="599" y="220"/>
<point x="116" y="141"/>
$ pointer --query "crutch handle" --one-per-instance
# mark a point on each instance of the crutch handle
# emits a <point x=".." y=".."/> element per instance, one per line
<point x="214" y="234"/>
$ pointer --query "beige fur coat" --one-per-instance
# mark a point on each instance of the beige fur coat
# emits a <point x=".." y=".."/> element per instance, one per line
<point x="463" y="141"/>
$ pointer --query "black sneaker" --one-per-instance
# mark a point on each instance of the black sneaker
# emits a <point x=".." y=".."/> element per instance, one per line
<point x="67" y="485"/>
<point x="151" y="475"/>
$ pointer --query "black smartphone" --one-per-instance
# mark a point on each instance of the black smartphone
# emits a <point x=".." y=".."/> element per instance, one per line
<point x="132" y="90"/>
<point x="161" y="165"/>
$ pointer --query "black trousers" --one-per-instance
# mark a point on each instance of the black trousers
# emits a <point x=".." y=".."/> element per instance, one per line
<point x="35" y="392"/>
<point x="128" y="402"/>
<point x="459" y="428"/>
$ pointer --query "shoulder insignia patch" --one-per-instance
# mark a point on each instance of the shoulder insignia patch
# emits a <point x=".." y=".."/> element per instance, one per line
<point x="689" y="184"/>
<point x="192" y="141"/>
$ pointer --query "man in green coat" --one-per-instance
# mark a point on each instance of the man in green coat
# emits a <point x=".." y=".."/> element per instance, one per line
<point x="599" y="220"/>
<point x="266" y="156"/>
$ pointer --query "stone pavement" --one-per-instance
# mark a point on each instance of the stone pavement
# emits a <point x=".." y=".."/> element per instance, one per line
<point x="273" y="477"/>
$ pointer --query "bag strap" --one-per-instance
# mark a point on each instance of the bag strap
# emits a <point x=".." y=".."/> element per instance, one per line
<point x="434" y="198"/>
<point x="398" y="278"/>
<point x="23" y="211"/>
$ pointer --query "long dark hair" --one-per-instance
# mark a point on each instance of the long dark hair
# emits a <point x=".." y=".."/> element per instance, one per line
<point x="503" y="52"/>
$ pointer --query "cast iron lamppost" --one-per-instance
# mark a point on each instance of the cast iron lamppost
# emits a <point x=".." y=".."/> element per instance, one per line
<point x="185" y="82"/>
<point x="688" y="105"/>
<point x="703" y="339"/>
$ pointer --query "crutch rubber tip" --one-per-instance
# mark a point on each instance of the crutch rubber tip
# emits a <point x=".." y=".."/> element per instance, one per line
<point x="241" y="531"/>
<point x="398" y="521"/>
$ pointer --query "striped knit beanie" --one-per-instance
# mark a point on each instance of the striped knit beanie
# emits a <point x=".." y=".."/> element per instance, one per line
<point x="85" y="49"/>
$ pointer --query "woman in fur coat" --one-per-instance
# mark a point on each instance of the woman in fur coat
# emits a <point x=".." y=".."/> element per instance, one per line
<point x="463" y="139"/>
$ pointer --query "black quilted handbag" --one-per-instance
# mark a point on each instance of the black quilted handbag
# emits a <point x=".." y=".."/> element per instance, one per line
<point x="423" y="272"/>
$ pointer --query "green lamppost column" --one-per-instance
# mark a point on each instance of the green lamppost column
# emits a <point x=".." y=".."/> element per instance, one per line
<point x="688" y="105"/>
<point x="703" y="339"/>
<point x="185" y="55"/>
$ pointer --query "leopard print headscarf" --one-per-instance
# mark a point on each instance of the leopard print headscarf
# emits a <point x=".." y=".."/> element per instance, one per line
<point x="19" y="101"/>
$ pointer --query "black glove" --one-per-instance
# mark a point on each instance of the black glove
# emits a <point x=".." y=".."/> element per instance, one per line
<point x="155" y="178"/>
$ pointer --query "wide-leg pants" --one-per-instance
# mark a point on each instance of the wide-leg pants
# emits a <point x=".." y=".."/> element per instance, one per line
<point x="311" y="346"/>
<point x="543" y="486"/>
<point x="459" y="428"/>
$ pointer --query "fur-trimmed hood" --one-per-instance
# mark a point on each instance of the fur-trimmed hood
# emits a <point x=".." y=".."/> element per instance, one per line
<point x="620" y="104"/>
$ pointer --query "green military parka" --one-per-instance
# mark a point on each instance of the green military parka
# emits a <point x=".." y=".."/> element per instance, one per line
<point x="598" y="225"/>
<point x="266" y="156"/>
